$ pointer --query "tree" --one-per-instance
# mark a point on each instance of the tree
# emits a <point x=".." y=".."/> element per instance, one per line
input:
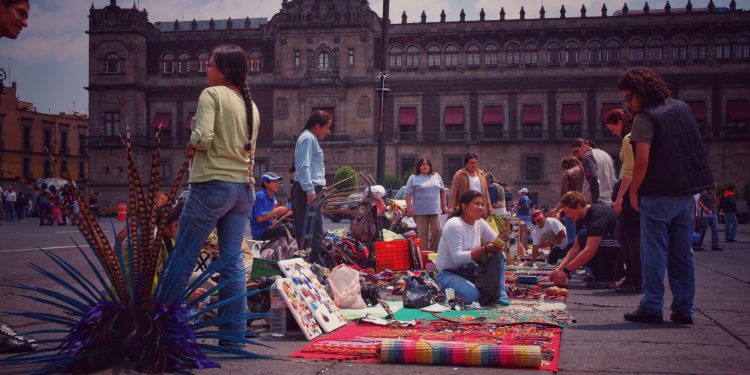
<point x="391" y="182"/>
<point x="344" y="173"/>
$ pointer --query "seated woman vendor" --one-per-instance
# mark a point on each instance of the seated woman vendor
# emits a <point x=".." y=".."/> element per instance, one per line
<point x="460" y="246"/>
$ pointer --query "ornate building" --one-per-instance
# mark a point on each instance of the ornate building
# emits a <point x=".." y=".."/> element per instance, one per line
<point x="514" y="91"/>
<point x="28" y="138"/>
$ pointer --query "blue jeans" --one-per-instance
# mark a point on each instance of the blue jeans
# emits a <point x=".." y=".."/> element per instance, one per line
<point x="224" y="205"/>
<point x="466" y="289"/>
<point x="666" y="239"/>
<point x="713" y="221"/>
<point x="730" y="225"/>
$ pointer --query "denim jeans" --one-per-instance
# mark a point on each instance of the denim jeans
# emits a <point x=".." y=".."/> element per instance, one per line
<point x="730" y="225"/>
<point x="713" y="221"/>
<point x="666" y="239"/>
<point x="465" y="288"/>
<point x="224" y="205"/>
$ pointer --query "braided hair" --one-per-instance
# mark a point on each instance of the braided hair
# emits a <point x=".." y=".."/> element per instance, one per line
<point x="230" y="59"/>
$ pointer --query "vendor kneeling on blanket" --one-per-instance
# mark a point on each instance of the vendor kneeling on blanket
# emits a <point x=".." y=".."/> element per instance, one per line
<point x="460" y="246"/>
<point x="266" y="210"/>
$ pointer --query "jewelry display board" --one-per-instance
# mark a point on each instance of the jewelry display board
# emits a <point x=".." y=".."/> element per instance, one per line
<point x="321" y="305"/>
<point x="302" y="314"/>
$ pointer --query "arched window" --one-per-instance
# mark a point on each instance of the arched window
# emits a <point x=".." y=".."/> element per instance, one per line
<point x="323" y="61"/>
<point x="433" y="56"/>
<point x="513" y="54"/>
<point x="394" y="57"/>
<point x="595" y="52"/>
<point x="412" y="57"/>
<point x="655" y="51"/>
<point x="571" y="53"/>
<point x="553" y="53"/>
<point x="112" y="63"/>
<point x="742" y="48"/>
<point x="679" y="50"/>
<point x="530" y="53"/>
<point x="203" y="59"/>
<point x="472" y="55"/>
<point x="183" y="63"/>
<point x="490" y="54"/>
<point x="636" y="51"/>
<point x="613" y="52"/>
<point x="723" y="48"/>
<point x="167" y="63"/>
<point x="451" y="55"/>
<point x="699" y="49"/>
<point x="253" y="61"/>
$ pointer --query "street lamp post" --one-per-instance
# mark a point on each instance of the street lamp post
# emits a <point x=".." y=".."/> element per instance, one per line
<point x="382" y="91"/>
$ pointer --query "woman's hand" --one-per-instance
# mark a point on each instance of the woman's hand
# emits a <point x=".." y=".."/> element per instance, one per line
<point x="189" y="149"/>
<point x="618" y="204"/>
<point x="409" y="211"/>
<point x="559" y="277"/>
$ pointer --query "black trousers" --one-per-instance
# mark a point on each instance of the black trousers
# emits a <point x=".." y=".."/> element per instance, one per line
<point x="299" y="205"/>
<point x="628" y="234"/>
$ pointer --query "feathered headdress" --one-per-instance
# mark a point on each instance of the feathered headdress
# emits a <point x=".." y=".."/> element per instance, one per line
<point x="114" y="315"/>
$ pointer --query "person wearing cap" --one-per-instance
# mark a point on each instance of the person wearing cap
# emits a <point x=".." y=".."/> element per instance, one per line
<point x="266" y="209"/>
<point x="548" y="232"/>
<point x="523" y="207"/>
<point x="598" y="251"/>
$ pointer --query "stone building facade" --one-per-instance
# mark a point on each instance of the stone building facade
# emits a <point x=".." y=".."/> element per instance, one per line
<point x="28" y="138"/>
<point x="514" y="91"/>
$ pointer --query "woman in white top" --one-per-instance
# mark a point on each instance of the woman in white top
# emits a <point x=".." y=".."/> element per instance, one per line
<point x="461" y="245"/>
<point x="425" y="201"/>
<point x="470" y="177"/>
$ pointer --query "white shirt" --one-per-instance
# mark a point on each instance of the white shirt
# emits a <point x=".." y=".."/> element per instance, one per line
<point x="458" y="239"/>
<point x="551" y="228"/>
<point x="606" y="175"/>
<point x="475" y="184"/>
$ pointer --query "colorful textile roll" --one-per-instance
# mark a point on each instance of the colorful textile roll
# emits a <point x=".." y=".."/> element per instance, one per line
<point x="459" y="354"/>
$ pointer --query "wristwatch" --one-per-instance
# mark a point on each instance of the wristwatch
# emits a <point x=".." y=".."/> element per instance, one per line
<point x="566" y="270"/>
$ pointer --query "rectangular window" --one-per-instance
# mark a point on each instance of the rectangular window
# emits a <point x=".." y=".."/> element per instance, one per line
<point x="261" y="167"/>
<point x="64" y="168"/>
<point x="698" y="107"/>
<point x="81" y="144"/>
<point x="64" y="141"/>
<point x="453" y="118"/>
<point x="532" y="168"/>
<point x="47" y="168"/>
<point x="636" y="55"/>
<point x="738" y="118"/>
<point x="699" y="53"/>
<point x="655" y="55"/>
<point x="513" y="58"/>
<point x="530" y="57"/>
<point x="2" y="123"/>
<point x="492" y="121"/>
<point x="679" y="53"/>
<point x="27" y="168"/>
<point x="407" y="166"/>
<point x="407" y="124"/>
<point x="723" y="51"/>
<point x="296" y="58"/>
<point x="572" y="120"/>
<point x="490" y="57"/>
<point x="48" y="138"/>
<point x="351" y="56"/>
<point x="531" y="118"/>
<point x="26" y="141"/>
<point x="163" y="121"/>
<point x="554" y="57"/>
<point x="165" y="169"/>
<point x="595" y="56"/>
<point x="82" y="170"/>
<point x="452" y="165"/>
<point x="111" y="124"/>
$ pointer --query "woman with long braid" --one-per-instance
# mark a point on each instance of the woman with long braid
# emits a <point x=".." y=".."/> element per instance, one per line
<point x="223" y="136"/>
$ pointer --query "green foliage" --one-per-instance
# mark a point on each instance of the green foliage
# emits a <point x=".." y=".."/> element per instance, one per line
<point x="405" y="177"/>
<point x="391" y="182"/>
<point x="343" y="173"/>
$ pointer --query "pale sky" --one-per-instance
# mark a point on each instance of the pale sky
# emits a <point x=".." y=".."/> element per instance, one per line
<point x="49" y="60"/>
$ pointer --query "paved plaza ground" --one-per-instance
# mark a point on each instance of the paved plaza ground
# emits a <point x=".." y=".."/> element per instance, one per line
<point x="599" y="342"/>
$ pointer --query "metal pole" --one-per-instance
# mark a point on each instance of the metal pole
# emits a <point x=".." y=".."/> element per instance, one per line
<point x="382" y="91"/>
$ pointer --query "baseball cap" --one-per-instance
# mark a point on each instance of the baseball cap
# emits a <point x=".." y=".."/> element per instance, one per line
<point x="536" y="214"/>
<point x="524" y="190"/>
<point x="270" y="176"/>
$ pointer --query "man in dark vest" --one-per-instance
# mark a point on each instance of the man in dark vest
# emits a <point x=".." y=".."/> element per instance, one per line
<point x="670" y="166"/>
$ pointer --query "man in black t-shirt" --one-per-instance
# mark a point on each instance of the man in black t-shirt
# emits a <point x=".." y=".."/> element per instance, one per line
<point x="599" y="249"/>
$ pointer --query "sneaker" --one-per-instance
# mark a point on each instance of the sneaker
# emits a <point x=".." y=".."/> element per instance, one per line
<point x="716" y="248"/>
<point x="622" y="287"/>
<point x="640" y="316"/>
<point x="12" y="342"/>
<point x="680" y="318"/>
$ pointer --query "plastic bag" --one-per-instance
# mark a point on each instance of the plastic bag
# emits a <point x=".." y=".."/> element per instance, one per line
<point x="421" y="291"/>
<point x="344" y="283"/>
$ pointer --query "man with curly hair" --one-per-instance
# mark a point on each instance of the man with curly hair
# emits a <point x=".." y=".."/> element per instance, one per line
<point x="670" y="166"/>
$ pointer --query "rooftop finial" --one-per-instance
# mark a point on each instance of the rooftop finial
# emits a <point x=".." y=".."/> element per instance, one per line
<point x="711" y="6"/>
<point x="522" y="13"/>
<point x="442" y="16"/>
<point x="583" y="11"/>
<point x="667" y="8"/>
<point x="625" y="9"/>
<point x="403" y="18"/>
<point x="462" y="15"/>
<point x="424" y="20"/>
<point x="562" y="11"/>
<point x="542" y="12"/>
<point x="646" y="8"/>
<point x="604" y="10"/>
<point x="481" y="15"/>
<point x="689" y="7"/>
<point x="502" y="14"/>
<point x="732" y="8"/>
